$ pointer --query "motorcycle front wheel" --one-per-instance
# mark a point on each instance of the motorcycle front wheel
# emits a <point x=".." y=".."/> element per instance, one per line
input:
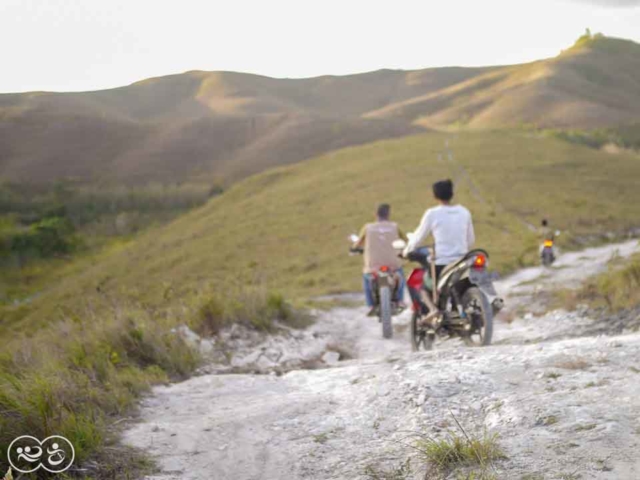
<point x="476" y="304"/>
<point x="420" y="339"/>
<point x="385" y="312"/>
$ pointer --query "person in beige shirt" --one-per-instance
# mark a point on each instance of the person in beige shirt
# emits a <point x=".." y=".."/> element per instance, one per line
<point x="377" y="241"/>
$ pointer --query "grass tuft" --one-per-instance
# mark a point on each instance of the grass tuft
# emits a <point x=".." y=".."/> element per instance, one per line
<point x="460" y="451"/>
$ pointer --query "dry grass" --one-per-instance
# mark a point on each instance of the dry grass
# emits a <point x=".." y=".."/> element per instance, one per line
<point x="618" y="288"/>
<point x="574" y="364"/>
<point x="73" y="379"/>
<point x="76" y="376"/>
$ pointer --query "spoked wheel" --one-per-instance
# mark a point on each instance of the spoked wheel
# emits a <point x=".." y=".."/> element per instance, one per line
<point x="385" y="312"/>
<point x="476" y="304"/>
<point x="420" y="339"/>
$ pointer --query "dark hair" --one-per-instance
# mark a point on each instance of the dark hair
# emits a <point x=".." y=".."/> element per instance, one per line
<point x="544" y="222"/>
<point x="443" y="190"/>
<point x="383" y="211"/>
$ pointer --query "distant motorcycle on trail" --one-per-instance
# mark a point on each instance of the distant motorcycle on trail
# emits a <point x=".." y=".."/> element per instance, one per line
<point x="548" y="251"/>
<point x="547" y="255"/>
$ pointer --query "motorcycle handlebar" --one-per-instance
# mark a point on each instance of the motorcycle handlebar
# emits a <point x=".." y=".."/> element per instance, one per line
<point x="420" y="256"/>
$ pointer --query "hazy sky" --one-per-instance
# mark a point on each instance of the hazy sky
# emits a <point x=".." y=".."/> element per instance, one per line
<point x="68" y="45"/>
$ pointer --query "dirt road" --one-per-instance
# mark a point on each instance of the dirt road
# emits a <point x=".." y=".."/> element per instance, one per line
<point x="564" y="404"/>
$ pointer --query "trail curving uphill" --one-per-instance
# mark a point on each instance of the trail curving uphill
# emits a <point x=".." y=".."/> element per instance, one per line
<point x="563" y="401"/>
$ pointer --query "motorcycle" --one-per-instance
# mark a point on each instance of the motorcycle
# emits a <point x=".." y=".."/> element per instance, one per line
<point x="547" y="256"/>
<point x="384" y="286"/>
<point x="462" y="304"/>
<point x="548" y="251"/>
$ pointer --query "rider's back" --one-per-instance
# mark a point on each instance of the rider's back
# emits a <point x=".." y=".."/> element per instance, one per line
<point x="547" y="233"/>
<point x="378" y="246"/>
<point x="452" y="230"/>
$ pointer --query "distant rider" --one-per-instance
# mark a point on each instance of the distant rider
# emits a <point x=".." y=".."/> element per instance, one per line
<point x="377" y="241"/>
<point x="547" y="233"/>
<point x="450" y="225"/>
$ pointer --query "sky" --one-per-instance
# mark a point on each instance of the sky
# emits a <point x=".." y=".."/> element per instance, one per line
<point x="64" y="45"/>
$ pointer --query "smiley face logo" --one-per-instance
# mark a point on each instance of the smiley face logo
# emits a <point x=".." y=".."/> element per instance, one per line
<point x="55" y="454"/>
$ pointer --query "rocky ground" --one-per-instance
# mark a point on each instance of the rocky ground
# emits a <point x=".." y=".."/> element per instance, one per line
<point x="336" y="401"/>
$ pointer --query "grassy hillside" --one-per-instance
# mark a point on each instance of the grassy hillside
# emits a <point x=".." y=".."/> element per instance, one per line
<point x="287" y="227"/>
<point x="83" y="348"/>
<point x="213" y="125"/>
<point x="45" y="228"/>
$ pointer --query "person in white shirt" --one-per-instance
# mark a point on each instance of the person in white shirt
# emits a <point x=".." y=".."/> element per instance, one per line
<point x="450" y="225"/>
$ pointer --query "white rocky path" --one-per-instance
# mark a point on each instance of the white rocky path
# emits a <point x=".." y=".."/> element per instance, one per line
<point x="564" y="405"/>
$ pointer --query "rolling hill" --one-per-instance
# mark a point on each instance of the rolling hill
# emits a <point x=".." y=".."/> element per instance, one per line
<point x="286" y="228"/>
<point x="224" y="125"/>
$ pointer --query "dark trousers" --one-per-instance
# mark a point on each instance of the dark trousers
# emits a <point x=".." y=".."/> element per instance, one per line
<point x="439" y="269"/>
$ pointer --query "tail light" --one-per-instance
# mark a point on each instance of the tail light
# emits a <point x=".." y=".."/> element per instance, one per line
<point x="548" y="243"/>
<point x="480" y="262"/>
<point x="384" y="269"/>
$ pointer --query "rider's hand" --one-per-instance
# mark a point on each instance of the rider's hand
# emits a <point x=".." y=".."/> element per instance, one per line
<point x="405" y="252"/>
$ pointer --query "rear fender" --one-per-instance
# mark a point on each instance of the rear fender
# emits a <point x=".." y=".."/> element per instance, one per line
<point x="386" y="279"/>
<point x="483" y="280"/>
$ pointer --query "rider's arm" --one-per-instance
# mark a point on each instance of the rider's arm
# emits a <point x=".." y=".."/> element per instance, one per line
<point x="360" y="242"/>
<point x="471" y="234"/>
<point x="424" y="229"/>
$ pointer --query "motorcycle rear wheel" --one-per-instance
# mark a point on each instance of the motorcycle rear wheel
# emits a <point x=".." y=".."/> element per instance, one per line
<point x="482" y="318"/>
<point x="385" y="312"/>
<point x="547" y="257"/>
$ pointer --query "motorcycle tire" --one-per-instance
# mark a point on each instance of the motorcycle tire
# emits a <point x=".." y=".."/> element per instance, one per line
<point x="547" y="258"/>
<point x="385" y="312"/>
<point x="416" y="336"/>
<point x="474" y="297"/>
<point x="429" y="339"/>
<point x="420" y="340"/>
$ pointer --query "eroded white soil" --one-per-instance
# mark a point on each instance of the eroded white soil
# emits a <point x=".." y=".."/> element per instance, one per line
<point x="563" y="402"/>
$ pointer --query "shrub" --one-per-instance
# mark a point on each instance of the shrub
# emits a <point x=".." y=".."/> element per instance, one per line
<point x="210" y="317"/>
<point x="46" y="238"/>
<point x="277" y="307"/>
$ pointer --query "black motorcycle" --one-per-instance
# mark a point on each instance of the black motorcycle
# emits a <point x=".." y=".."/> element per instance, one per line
<point x="462" y="304"/>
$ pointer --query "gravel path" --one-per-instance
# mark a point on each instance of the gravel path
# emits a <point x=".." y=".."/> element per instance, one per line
<point x="564" y="404"/>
